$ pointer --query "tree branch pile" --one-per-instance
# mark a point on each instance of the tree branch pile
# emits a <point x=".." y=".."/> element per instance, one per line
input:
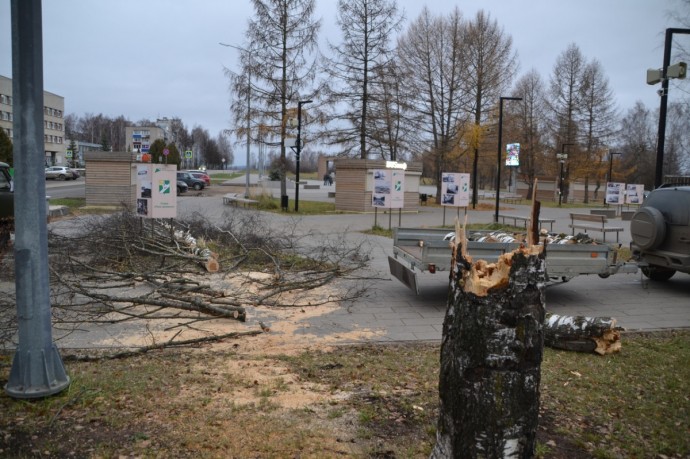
<point x="123" y="268"/>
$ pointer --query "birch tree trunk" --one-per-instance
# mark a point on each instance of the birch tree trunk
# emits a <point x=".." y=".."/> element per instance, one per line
<point x="491" y="356"/>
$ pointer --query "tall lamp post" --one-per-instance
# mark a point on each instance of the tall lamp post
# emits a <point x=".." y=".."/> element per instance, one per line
<point x="562" y="157"/>
<point x="500" y="147"/>
<point x="298" y="149"/>
<point x="610" y="176"/>
<point x="249" y="108"/>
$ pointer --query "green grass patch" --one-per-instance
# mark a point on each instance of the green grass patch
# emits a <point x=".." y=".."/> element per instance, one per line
<point x="271" y="204"/>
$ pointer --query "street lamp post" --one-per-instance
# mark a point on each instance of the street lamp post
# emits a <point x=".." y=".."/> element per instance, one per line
<point x="562" y="157"/>
<point x="610" y="176"/>
<point x="298" y="149"/>
<point x="498" y="155"/>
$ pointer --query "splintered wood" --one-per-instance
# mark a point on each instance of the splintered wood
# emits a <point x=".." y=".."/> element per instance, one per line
<point x="481" y="276"/>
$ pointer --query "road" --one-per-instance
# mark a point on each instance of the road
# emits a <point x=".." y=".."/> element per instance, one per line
<point x="67" y="189"/>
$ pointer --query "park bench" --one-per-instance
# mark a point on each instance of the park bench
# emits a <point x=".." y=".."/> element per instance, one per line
<point x="308" y="186"/>
<point x="524" y="220"/>
<point x="608" y="213"/>
<point x="234" y="198"/>
<point x="590" y="222"/>
<point x="511" y="198"/>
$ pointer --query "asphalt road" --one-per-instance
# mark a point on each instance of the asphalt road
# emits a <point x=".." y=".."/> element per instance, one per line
<point x="66" y="189"/>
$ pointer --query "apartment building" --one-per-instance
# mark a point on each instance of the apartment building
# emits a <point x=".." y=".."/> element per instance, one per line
<point x="53" y="121"/>
<point x="140" y="138"/>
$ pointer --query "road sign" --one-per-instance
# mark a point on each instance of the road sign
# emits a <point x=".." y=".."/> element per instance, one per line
<point x="166" y="152"/>
<point x="188" y="154"/>
<point x="68" y="154"/>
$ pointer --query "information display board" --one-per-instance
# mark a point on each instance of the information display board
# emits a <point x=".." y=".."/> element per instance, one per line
<point x="157" y="190"/>
<point x="455" y="189"/>
<point x="615" y="193"/>
<point x="389" y="188"/>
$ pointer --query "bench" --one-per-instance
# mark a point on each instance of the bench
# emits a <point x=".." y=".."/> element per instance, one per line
<point x="594" y="223"/>
<point x="627" y="214"/>
<point x="524" y="220"/>
<point x="511" y="198"/>
<point x="311" y="187"/>
<point x="608" y="213"/>
<point x="234" y="198"/>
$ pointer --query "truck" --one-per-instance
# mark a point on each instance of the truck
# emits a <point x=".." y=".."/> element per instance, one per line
<point x="428" y="250"/>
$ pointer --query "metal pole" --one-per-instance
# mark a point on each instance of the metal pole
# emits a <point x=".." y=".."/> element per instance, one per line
<point x="37" y="369"/>
<point x="500" y="146"/>
<point x="560" y="184"/>
<point x="298" y="150"/>
<point x="659" y="172"/>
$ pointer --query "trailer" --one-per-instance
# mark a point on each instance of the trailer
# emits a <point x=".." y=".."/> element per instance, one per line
<point x="422" y="250"/>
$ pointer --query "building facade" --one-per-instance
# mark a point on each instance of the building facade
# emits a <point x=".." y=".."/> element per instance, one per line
<point x="53" y="121"/>
<point x="140" y="138"/>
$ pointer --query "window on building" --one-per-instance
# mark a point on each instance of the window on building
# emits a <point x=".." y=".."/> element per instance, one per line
<point x="3" y="98"/>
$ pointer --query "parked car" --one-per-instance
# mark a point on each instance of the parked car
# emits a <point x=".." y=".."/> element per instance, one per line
<point x="181" y="187"/>
<point x="61" y="173"/>
<point x="201" y="175"/>
<point x="660" y="232"/>
<point x="190" y="180"/>
<point x="6" y="192"/>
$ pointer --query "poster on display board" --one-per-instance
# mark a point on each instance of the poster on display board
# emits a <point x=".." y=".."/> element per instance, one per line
<point x="156" y="195"/>
<point x="615" y="193"/>
<point x="389" y="188"/>
<point x="455" y="189"/>
<point x="513" y="155"/>
<point x="634" y="194"/>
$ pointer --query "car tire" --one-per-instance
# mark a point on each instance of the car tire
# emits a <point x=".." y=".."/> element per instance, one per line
<point x="648" y="228"/>
<point x="657" y="273"/>
<point x="62" y="177"/>
<point x="197" y="186"/>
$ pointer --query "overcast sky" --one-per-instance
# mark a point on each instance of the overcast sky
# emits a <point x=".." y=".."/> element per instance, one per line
<point x="156" y="58"/>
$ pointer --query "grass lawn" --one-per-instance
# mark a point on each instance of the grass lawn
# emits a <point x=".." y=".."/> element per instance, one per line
<point x="350" y="401"/>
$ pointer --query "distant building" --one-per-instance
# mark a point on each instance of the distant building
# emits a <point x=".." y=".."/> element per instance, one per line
<point x="81" y="148"/>
<point x="140" y="138"/>
<point x="53" y="121"/>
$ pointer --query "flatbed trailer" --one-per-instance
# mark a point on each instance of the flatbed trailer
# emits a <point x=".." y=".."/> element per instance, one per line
<point x="428" y="250"/>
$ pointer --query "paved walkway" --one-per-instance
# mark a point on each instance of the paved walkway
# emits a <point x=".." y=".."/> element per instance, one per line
<point x="397" y="314"/>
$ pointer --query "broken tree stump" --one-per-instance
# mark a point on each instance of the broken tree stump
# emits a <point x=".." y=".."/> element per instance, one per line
<point x="582" y="334"/>
<point x="491" y="355"/>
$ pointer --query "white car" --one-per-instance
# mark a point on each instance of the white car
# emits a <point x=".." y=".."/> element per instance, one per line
<point x="61" y="173"/>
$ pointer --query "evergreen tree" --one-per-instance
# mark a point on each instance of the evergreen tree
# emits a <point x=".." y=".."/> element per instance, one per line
<point x="105" y="146"/>
<point x="5" y="148"/>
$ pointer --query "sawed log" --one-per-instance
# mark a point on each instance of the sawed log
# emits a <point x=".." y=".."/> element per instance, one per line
<point x="583" y="334"/>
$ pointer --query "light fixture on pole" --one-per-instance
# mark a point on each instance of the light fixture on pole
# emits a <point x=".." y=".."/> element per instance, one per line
<point x="249" y="108"/>
<point x="498" y="157"/>
<point x="298" y="149"/>
<point x="562" y="157"/>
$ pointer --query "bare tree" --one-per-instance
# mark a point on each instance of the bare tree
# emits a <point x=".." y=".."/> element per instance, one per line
<point x="430" y="51"/>
<point x="356" y="71"/>
<point x="225" y="149"/>
<point x="565" y="92"/>
<point x="490" y="64"/>
<point x="531" y="126"/>
<point x="277" y="69"/>
<point x="599" y="122"/>
<point x="637" y="143"/>
<point x="676" y="147"/>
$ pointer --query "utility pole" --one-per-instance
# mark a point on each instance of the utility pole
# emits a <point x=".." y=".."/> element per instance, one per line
<point x="37" y="369"/>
